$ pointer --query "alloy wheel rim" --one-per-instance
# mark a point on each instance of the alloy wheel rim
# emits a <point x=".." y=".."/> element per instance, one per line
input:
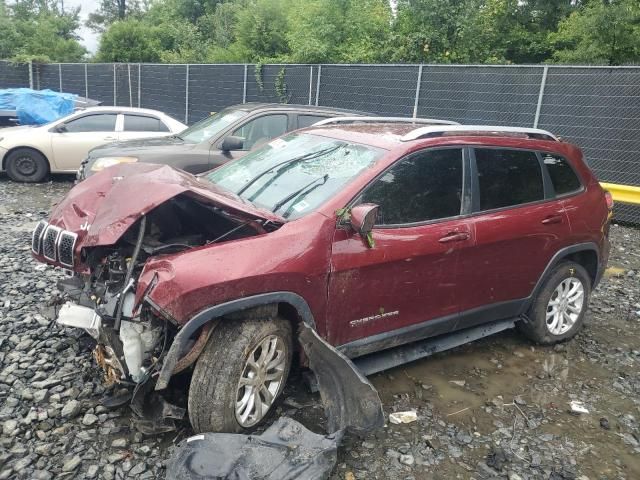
<point x="565" y="306"/>
<point x="26" y="166"/>
<point x="261" y="380"/>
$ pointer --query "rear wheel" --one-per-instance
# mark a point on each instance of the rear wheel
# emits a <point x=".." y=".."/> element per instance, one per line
<point x="26" y="165"/>
<point x="240" y="374"/>
<point x="559" y="308"/>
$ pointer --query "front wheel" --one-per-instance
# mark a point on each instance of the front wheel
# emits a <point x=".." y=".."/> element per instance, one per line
<point x="558" y="311"/>
<point x="239" y="375"/>
<point x="26" y="165"/>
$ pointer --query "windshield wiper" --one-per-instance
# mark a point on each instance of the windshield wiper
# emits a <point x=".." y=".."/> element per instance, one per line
<point x="293" y="195"/>
<point x="291" y="161"/>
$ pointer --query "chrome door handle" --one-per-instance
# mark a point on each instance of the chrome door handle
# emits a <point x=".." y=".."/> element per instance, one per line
<point x="455" y="237"/>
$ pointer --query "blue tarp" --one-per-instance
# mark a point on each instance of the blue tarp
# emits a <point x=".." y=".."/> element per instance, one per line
<point x="36" y="107"/>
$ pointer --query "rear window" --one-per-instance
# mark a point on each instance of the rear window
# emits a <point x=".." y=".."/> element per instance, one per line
<point x="563" y="178"/>
<point x="508" y="177"/>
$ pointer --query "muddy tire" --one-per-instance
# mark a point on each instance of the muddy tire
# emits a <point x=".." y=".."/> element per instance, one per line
<point x="239" y="375"/>
<point x="558" y="311"/>
<point x="26" y="165"/>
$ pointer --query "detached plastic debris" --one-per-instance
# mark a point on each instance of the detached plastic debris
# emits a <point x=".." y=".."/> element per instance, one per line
<point x="285" y="451"/>
<point x="403" y="417"/>
<point x="577" y="407"/>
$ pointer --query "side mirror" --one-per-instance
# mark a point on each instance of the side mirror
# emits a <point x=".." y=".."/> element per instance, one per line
<point x="363" y="218"/>
<point x="60" y="128"/>
<point x="232" y="143"/>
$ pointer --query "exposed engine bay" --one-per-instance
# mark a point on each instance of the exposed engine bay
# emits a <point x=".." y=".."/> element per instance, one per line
<point x="132" y="338"/>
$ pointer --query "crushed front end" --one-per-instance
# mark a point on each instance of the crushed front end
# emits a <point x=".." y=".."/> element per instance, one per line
<point x="103" y="234"/>
<point x="102" y="301"/>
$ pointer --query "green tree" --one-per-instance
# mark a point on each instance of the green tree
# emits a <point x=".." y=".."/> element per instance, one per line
<point x="130" y="41"/>
<point x="111" y="11"/>
<point x="606" y="32"/>
<point x="261" y="30"/>
<point x="38" y="29"/>
<point x="339" y="31"/>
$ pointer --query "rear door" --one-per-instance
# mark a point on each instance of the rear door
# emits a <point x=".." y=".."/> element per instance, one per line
<point x="81" y="135"/>
<point x="140" y="126"/>
<point x="409" y="276"/>
<point x="519" y="226"/>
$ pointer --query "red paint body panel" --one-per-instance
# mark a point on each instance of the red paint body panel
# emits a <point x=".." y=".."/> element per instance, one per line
<point x="293" y="258"/>
<point x="409" y="271"/>
<point x="512" y="248"/>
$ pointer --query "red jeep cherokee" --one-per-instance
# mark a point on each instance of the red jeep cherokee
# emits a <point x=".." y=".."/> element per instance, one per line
<point x="373" y="236"/>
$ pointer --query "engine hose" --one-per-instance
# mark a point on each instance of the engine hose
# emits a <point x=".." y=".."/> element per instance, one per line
<point x="132" y="264"/>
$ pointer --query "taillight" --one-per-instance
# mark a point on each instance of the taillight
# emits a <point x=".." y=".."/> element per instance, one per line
<point x="609" y="199"/>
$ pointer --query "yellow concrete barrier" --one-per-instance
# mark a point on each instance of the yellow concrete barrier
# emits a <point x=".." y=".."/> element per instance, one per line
<point x="623" y="193"/>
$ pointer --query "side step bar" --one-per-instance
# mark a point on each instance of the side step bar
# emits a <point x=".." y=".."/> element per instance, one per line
<point x="393" y="357"/>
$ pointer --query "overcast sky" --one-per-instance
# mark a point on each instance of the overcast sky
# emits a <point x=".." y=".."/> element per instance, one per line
<point x="88" y="38"/>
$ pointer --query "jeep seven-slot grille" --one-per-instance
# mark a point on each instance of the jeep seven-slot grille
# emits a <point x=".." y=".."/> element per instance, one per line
<point x="53" y="243"/>
<point x="49" y="242"/>
<point x="37" y="237"/>
<point x="66" y="242"/>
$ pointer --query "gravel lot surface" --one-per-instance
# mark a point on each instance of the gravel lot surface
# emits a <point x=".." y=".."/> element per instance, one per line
<point x="497" y="408"/>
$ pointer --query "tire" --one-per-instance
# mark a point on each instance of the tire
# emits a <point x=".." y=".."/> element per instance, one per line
<point x="215" y="385"/>
<point x="558" y="327"/>
<point x="26" y="165"/>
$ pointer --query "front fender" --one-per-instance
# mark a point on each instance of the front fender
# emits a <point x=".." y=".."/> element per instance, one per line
<point x="185" y="333"/>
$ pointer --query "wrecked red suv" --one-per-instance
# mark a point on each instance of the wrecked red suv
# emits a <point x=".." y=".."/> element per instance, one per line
<point x="379" y="243"/>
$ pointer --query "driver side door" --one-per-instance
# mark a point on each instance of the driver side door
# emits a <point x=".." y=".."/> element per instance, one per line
<point x="404" y="287"/>
<point x="81" y="134"/>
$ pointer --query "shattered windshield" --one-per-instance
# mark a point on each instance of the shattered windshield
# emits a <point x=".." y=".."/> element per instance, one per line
<point x="210" y="126"/>
<point x="293" y="175"/>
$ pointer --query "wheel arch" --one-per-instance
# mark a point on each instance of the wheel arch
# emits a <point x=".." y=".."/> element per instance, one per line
<point x="291" y="305"/>
<point x="28" y="147"/>
<point x="585" y="254"/>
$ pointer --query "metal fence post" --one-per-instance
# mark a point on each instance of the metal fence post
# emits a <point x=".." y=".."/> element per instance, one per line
<point x="244" y="86"/>
<point x="139" y="83"/>
<point x="60" y="75"/>
<point x="129" y="78"/>
<point x="543" y="83"/>
<point x="31" y="74"/>
<point x="186" y="97"/>
<point x="318" y="84"/>
<point x="115" y="92"/>
<point x="86" y="83"/>
<point x="310" y="82"/>
<point x="418" y="83"/>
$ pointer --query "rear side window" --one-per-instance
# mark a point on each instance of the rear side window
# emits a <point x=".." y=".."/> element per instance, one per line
<point x="508" y="177"/>
<point x="308" y="120"/>
<point x="139" y="123"/>
<point x="563" y="178"/>
<point x="103" y="122"/>
<point x="425" y="186"/>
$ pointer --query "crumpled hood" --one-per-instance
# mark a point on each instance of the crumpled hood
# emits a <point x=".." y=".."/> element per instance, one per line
<point x="101" y="208"/>
<point x="140" y="146"/>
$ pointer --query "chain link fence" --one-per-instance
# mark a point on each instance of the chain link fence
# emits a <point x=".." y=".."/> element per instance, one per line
<point x="597" y="108"/>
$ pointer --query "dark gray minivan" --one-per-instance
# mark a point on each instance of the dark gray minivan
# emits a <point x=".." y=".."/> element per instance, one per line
<point x="224" y="136"/>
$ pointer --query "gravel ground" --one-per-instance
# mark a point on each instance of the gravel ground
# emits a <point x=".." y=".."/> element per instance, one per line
<point x="497" y="408"/>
